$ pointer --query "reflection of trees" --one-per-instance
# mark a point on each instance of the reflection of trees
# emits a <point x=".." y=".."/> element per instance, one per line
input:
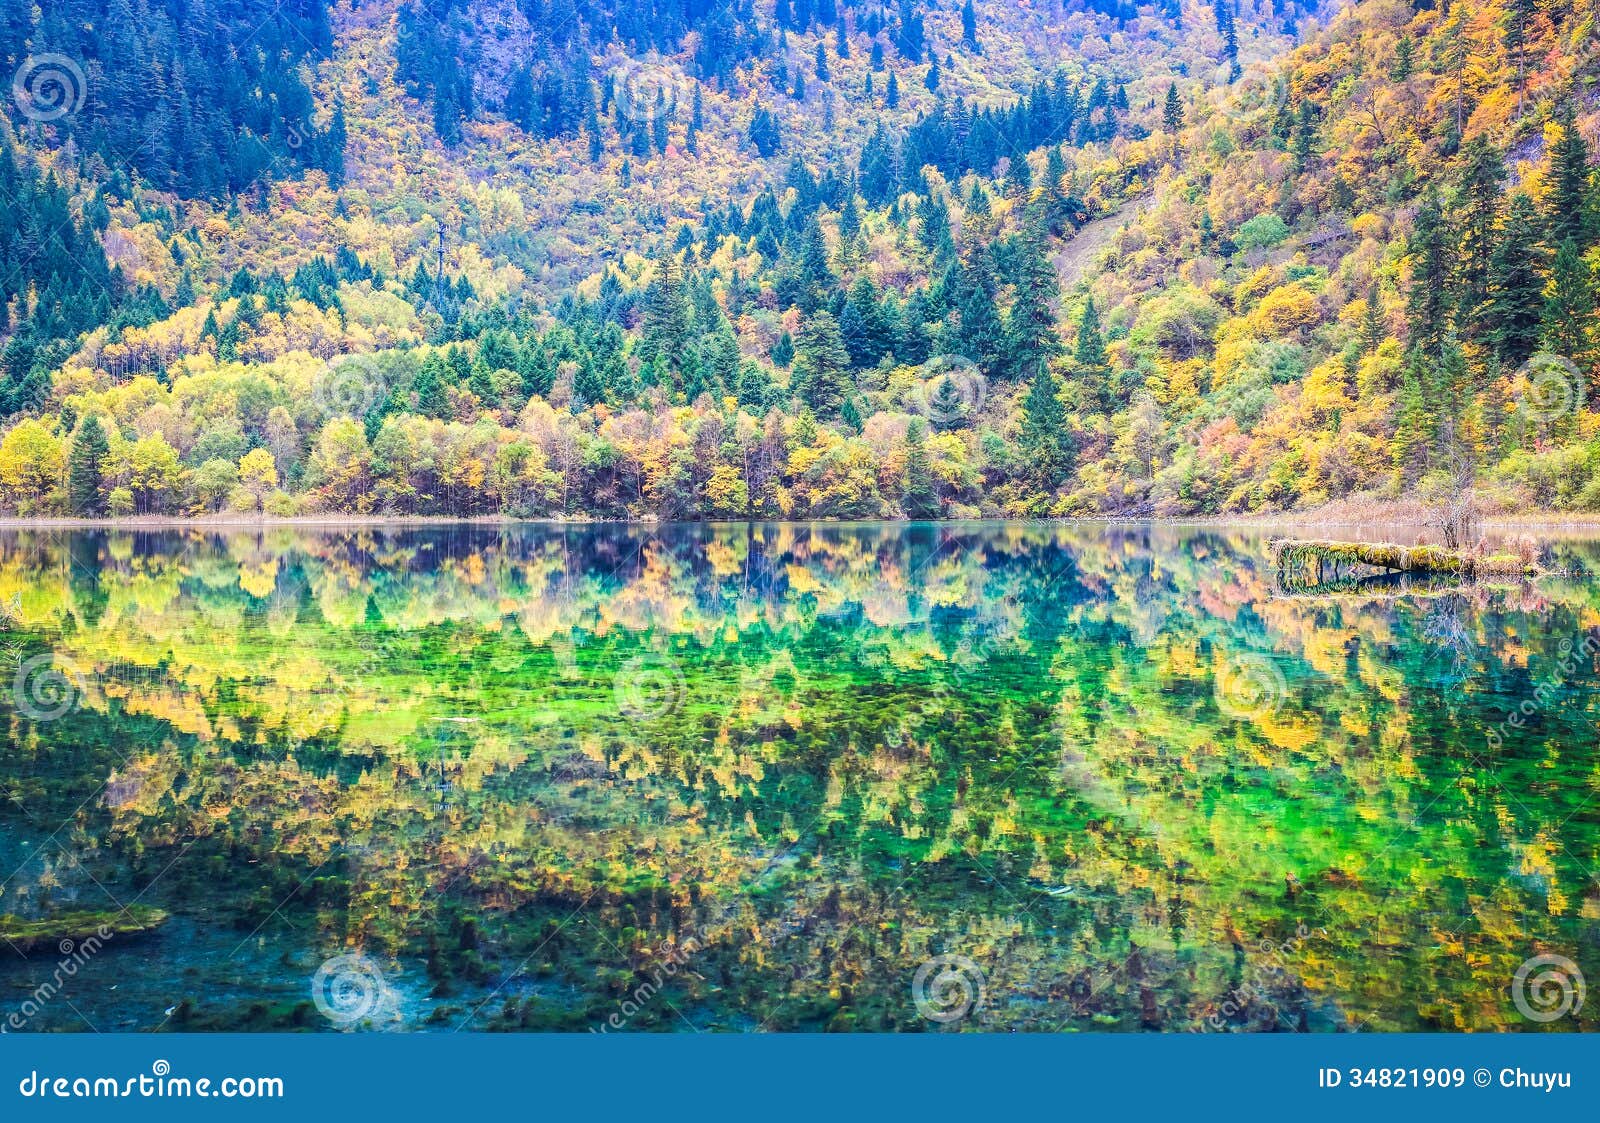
<point x="892" y="742"/>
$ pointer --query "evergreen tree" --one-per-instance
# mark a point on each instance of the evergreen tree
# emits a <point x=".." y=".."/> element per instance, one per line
<point x="1044" y="436"/>
<point x="429" y="386"/>
<point x="969" y="27"/>
<point x="1568" y="213"/>
<point x="921" y="497"/>
<point x="1569" y="310"/>
<point x="782" y="353"/>
<point x="822" y="365"/>
<point x="1409" y="446"/>
<point x="1477" y="212"/>
<point x="983" y="338"/>
<point x="1515" y="309"/>
<point x="665" y="328"/>
<point x="1031" y="326"/>
<point x="1172" y="110"/>
<point x="85" y="468"/>
<point x="1089" y="354"/>
<point x="1428" y="303"/>
<point x="891" y="92"/>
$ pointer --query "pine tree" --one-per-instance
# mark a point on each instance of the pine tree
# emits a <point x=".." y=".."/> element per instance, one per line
<point x="921" y="498"/>
<point x="1374" y="328"/>
<point x="1044" y="436"/>
<point x="782" y="353"/>
<point x="1477" y="211"/>
<point x="85" y="468"/>
<point x="1409" y="446"/>
<point x="1089" y="354"/>
<point x="1515" y="309"/>
<point x="822" y="365"/>
<point x="891" y="92"/>
<point x="1569" y="310"/>
<point x="969" y="27"/>
<point x="1031" y="326"/>
<point x="983" y="337"/>
<point x="1172" y="111"/>
<point x="1568" y="210"/>
<point x="1428" y="300"/>
<point x="432" y="401"/>
<point x="665" y="327"/>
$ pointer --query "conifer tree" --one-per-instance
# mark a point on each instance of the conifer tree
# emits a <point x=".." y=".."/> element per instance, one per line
<point x="432" y="401"/>
<point x="822" y="365"/>
<point x="1044" y="435"/>
<point x="1515" y="308"/>
<point x="1428" y="303"/>
<point x="1568" y="209"/>
<point x="1569" y="310"/>
<point x="85" y="468"/>
<point x="921" y="498"/>
<point x="1476" y="207"/>
<point x="1031" y="326"/>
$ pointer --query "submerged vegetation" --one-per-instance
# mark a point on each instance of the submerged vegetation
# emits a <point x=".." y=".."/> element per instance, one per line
<point x="517" y="770"/>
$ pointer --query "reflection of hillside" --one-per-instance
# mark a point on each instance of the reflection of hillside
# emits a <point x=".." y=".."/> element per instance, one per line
<point x="884" y="742"/>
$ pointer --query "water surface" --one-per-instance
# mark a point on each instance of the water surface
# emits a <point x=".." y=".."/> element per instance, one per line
<point x="756" y="776"/>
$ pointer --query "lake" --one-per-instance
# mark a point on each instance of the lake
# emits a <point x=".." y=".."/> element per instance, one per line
<point x="887" y="777"/>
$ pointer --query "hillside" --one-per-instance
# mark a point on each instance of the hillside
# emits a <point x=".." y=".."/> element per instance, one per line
<point x="795" y="259"/>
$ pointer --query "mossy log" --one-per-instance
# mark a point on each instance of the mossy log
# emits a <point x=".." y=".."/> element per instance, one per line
<point x="1305" y="558"/>
<point x="25" y="935"/>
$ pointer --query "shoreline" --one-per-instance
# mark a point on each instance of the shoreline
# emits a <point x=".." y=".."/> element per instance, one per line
<point x="1398" y="516"/>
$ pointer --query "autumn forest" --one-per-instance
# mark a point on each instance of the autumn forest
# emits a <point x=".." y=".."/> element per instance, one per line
<point x="810" y="259"/>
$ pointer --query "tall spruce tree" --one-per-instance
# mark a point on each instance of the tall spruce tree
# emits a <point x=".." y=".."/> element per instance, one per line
<point x="1428" y="299"/>
<point x="1515" y="309"/>
<point x="86" y="468"/>
<point x="1031" y="326"/>
<point x="921" y="497"/>
<point x="1044" y="436"/>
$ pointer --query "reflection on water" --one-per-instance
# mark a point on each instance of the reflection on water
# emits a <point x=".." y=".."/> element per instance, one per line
<point x="755" y="777"/>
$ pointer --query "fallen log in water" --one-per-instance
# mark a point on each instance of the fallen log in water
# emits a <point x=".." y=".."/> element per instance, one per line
<point x="1304" y="559"/>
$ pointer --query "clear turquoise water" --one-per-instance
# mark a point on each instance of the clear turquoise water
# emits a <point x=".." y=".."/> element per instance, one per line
<point x="755" y="777"/>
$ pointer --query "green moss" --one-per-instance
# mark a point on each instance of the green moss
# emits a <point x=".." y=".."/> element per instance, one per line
<point x="79" y="926"/>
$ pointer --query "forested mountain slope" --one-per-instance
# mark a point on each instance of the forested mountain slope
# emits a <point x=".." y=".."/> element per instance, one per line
<point x="795" y="259"/>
